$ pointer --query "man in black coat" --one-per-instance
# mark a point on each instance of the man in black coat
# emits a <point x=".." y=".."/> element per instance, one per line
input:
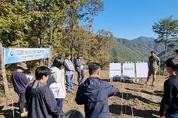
<point x="94" y="93"/>
<point x="40" y="99"/>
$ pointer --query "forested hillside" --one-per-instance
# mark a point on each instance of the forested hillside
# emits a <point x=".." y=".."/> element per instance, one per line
<point x="122" y="53"/>
<point x="137" y="49"/>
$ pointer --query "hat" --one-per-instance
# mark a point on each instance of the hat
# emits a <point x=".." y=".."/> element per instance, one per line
<point x="22" y="65"/>
<point x="176" y="51"/>
<point x="153" y="52"/>
<point x="79" y="55"/>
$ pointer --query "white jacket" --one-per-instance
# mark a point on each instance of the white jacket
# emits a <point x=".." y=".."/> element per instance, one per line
<point x="59" y="78"/>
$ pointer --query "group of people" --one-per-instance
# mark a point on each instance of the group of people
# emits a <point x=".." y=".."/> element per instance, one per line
<point x="169" y="102"/>
<point x="44" y="96"/>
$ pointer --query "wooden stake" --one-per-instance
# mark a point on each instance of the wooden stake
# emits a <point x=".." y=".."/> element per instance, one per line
<point x="132" y="112"/>
<point x="3" y="71"/>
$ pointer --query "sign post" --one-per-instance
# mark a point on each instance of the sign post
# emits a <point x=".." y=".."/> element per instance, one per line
<point x="128" y="71"/>
<point x="3" y="72"/>
<point x="14" y="55"/>
<point x="115" y="71"/>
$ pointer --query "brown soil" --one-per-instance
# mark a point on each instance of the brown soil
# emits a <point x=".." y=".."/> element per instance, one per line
<point x="133" y="100"/>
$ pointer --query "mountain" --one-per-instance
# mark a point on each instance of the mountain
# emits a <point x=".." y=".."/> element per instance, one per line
<point x="143" y="38"/>
<point x="122" y="53"/>
<point x="137" y="49"/>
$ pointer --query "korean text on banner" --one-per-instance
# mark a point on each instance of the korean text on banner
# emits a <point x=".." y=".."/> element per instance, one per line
<point x="14" y="55"/>
<point x="115" y="70"/>
<point x="128" y="70"/>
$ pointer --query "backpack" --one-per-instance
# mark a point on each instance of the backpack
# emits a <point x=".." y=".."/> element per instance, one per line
<point x="54" y="86"/>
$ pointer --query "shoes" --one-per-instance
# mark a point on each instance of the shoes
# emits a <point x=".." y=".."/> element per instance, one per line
<point x="153" y="85"/>
<point x="24" y="114"/>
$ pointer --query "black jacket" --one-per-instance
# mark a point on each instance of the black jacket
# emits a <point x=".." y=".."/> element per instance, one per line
<point x="94" y="93"/>
<point x="169" y="101"/>
<point x="41" y="102"/>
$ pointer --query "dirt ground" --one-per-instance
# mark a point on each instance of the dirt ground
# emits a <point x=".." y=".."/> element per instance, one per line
<point x="133" y="100"/>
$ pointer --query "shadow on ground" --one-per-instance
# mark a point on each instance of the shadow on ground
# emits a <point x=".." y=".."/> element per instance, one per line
<point x="127" y="110"/>
<point x="128" y="96"/>
<point x="10" y="113"/>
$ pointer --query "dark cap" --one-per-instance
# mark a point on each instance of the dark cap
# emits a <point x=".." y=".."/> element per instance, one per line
<point x="176" y="51"/>
<point x="68" y="54"/>
<point x="79" y="55"/>
<point x="153" y="52"/>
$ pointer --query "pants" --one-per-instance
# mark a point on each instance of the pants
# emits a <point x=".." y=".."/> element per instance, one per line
<point x="152" y="72"/>
<point x="168" y="115"/>
<point x="59" y="102"/>
<point x="70" y="81"/>
<point x="80" y="76"/>
<point x="21" y="102"/>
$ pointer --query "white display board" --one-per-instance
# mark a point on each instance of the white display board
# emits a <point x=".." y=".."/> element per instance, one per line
<point x="142" y="70"/>
<point x="115" y="70"/>
<point x="128" y="70"/>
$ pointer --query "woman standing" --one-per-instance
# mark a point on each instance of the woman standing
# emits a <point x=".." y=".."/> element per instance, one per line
<point x="57" y="79"/>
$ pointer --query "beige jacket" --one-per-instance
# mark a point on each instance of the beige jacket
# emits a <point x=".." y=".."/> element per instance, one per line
<point x="59" y="78"/>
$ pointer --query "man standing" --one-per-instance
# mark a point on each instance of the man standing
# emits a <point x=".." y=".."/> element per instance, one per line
<point x="69" y="71"/>
<point x="40" y="99"/>
<point x="153" y="64"/>
<point x="79" y="68"/>
<point x="94" y="93"/>
<point x="19" y="81"/>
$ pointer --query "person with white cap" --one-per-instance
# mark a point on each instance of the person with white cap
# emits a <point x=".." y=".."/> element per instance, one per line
<point x="20" y="81"/>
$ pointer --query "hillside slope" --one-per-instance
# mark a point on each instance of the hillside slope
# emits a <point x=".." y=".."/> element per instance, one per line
<point x="137" y="49"/>
<point x="122" y="53"/>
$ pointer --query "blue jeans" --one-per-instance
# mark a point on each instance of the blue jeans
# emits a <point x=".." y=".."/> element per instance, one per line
<point x="69" y="80"/>
<point x="59" y="102"/>
<point x="169" y="115"/>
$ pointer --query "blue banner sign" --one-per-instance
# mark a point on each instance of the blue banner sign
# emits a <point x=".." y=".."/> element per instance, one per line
<point x="14" y="55"/>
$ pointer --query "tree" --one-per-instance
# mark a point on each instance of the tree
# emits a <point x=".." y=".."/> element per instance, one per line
<point x="104" y="45"/>
<point x="167" y="30"/>
<point x="92" y="8"/>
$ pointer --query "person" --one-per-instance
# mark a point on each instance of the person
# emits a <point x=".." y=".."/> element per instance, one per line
<point x="169" y="104"/>
<point x="40" y="99"/>
<point x="153" y="64"/>
<point x="20" y="81"/>
<point x="57" y="78"/>
<point x="73" y="114"/>
<point x="79" y="68"/>
<point x="94" y="92"/>
<point x="69" y="71"/>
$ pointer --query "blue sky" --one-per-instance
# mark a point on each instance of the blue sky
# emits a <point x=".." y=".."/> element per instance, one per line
<point x="133" y="18"/>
